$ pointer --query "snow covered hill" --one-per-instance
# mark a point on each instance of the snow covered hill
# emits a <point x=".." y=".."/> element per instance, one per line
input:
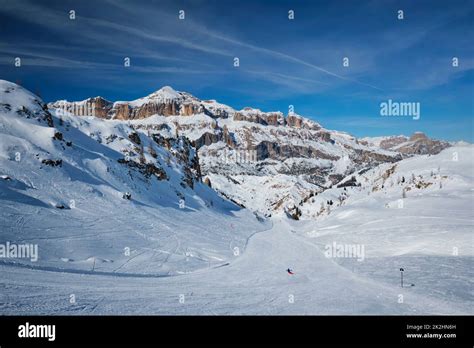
<point x="96" y="195"/>
<point x="429" y="235"/>
<point x="416" y="214"/>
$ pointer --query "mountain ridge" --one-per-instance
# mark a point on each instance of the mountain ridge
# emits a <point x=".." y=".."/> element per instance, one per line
<point x="239" y="150"/>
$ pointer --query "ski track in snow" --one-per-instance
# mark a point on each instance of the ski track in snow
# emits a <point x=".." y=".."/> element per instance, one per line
<point x="253" y="283"/>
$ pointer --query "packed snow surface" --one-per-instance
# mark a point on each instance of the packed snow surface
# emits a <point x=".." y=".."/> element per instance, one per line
<point x="430" y="237"/>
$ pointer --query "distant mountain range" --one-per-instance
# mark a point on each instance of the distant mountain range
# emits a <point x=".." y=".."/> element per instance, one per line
<point x="268" y="162"/>
<point x="265" y="161"/>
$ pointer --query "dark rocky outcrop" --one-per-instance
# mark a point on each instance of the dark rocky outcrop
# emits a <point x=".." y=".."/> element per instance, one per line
<point x="273" y="150"/>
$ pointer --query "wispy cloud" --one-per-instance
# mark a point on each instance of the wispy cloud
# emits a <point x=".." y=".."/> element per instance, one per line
<point x="197" y="28"/>
<point x="281" y="62"/>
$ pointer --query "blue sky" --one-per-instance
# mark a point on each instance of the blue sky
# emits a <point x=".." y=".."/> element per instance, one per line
<point x="282" y="62"/>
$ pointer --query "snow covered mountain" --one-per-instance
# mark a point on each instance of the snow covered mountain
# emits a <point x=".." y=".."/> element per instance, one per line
<point x="131" y="216"/>
<point x="115" y="199"/>
<point x="241" y="152"/>
<point x="236" y="152"/>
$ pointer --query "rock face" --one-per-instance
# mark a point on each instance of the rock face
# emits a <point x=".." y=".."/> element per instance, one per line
<point x="424" y="146"/>
<point x="257" y="116"/>
<point x="165" y="102"/>
<point x="97" y="106"/>
<point x="207" y="139"/>
<point x="265" y="161"/>
<point x="392" y="142"/>
<point x="122" y="111"/>
<point x="168" y="102"/>
<point x="417" y="144"/>
<point x="418" y="136"/>
<point x="101" y="106"/>
<point x="294" y="121"/>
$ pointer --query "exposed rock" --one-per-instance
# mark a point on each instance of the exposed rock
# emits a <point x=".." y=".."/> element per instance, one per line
<point x="52" y="163"/>
<point x="151" y="169"/>
<point x="257" y="116"/>
<point x="417" y="144"/>
<point x="121" y="111"/>
<point x="228" y="137"/>
<point x="207" y="181"/>
<point x="324" y="136"/>
<point x="293" y="212"/>
<point x="279" y="151"/>
<point x="294" y="121"/>
<point x="190" y="109"/>
<point x="418" y="136"/>
<point x="97" y="106"/>
<point x="423" y="147"/>
<point x="101" y="107"/>
<point x="134" y="137"/>
<point x="391" y="142"/>
<point x="147" y="169"/>
<point x="58" y="136"/>
<point x="207" y="139"/>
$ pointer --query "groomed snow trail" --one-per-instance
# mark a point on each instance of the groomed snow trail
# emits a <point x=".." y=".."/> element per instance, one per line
<point x="255" y="282"/>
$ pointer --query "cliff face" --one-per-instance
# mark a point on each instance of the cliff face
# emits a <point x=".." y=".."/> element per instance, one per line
<point x="167" y="102"/>
<point x="417" y="144"/>
<point x="257" y="116"/>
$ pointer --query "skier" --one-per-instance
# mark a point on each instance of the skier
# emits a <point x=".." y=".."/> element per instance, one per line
<point x="290" y="271"/>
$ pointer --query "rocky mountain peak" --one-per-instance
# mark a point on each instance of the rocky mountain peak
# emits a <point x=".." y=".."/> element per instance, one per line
<point x="418" y="143"/>
<point x="418" y="136"/>
<point x="166" y="93"/>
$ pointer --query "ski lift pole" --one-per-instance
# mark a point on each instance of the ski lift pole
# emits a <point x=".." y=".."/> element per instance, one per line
<point x="401" y="274"/>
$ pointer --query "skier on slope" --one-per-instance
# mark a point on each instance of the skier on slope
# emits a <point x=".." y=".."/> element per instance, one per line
<point x="290" y="271"/>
